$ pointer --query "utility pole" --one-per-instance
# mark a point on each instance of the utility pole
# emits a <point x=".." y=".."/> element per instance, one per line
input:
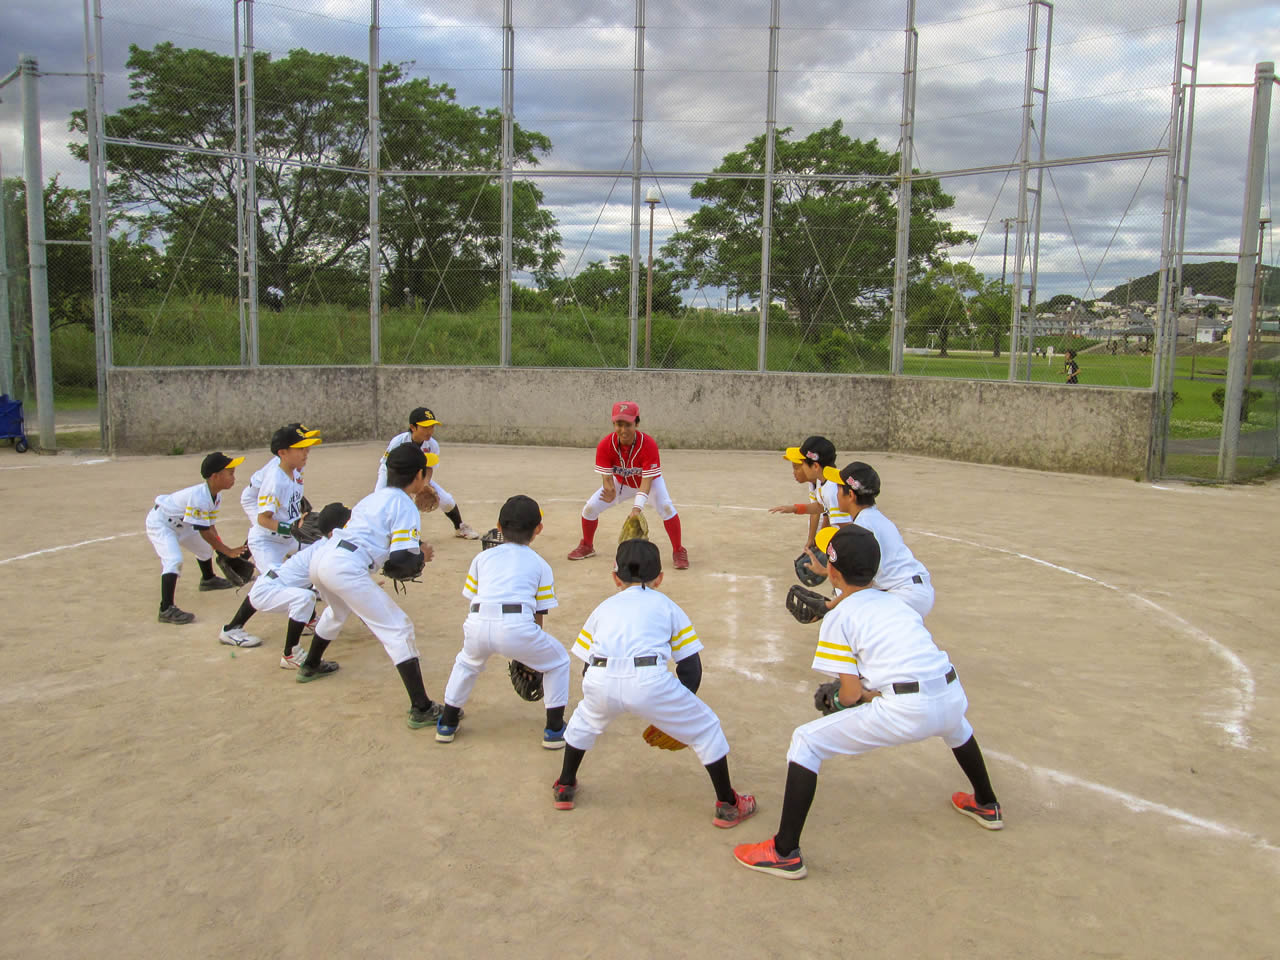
<point x="652" y="198"/>
<point x="1253" y="315"/>
<point x="1004" y="264"/>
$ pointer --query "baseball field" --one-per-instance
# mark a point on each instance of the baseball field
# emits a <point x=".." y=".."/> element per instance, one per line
<point x="168" y="796"/>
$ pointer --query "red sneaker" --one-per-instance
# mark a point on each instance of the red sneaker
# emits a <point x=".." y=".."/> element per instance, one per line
<point x="732" y="814"/>
<point x="763" y="857"/>
<point x="680" y="559"/>
<point x="987" y="814"/>
<point x="562" y="795"/>
<point x="582" y="551"/>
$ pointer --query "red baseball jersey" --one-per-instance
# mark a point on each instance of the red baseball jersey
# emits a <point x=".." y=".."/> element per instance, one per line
<point x="628" y="465"/>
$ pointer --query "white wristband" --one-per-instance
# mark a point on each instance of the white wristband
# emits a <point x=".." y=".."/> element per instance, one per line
<point x="641" y="500"/>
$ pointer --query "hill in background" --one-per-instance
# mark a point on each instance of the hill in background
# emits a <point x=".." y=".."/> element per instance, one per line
<point x="1217" y="278"/>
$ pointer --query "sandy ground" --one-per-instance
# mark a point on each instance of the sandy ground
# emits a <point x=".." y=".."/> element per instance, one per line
<point x="166" y="796"/>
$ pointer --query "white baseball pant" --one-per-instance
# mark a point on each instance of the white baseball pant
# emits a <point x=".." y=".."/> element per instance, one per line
<point x="269" y="595"/>
<point x="269" y="549"/>
<point x="658" y="496"/>
<point x="513" y="635"/>
<point x="171" y="537"/>
<point x="888" y="720"/>
<point x="655" y="695"/>
<point x="917" y="596"/>
<point x="447" y="502"/>
<point x="344" y="581"/>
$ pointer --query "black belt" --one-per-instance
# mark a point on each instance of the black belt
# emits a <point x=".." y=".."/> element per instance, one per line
<point x="650" y="661"/>
<point x="506" y="607"/>
<point x="913" y="686"/>
<point x="272" y="575"/>
<point x="348" y="545"/>
<point x="917" y="579"/>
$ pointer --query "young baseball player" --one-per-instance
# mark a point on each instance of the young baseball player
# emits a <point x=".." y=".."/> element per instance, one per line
<point x="286" y="588"/>
<point x="280" y="499"/>
<point x="626" y="643"/>
<point x="185" y="520"/>
<point x="900" y="572"/>
<point x="807" y="463"/>
<point x="422" y="428"/>
<point x="511" y="589"/>
<point x="903" y="687"/>
<point x="632" y="470"/>
<point x="383" y="529"/>
<point x="249" y="496"/>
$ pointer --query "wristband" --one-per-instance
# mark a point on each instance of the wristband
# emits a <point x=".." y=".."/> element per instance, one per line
<point x="835" y="701"/>
<point x="800" y="508"/>
<point x="641" y="500"/>
<point x="284" y="529"/>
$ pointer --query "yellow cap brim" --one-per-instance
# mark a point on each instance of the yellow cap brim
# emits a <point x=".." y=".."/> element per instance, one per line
<point x="793" y="454"/>
<point x="432" y="459"/>
<point x="234" y="463"/>
<point x="823" y="539"/>
<point x="426" y="423"/>
<point x="308" y="442"/>
<point x="832" y="474"/>
<point x="311" y="433"/>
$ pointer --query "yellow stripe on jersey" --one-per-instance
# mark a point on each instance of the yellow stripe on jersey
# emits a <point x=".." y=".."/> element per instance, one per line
<point x="813" y="497"/>
<point x="195" y="513"/>
<point x="266" y="500"/>
<point x="584" y="641"/>
<point x="838" y="652"/>
<point x="546" y="593"/>
<point x="404" y="536"/>
<point x="683" y="638"/>
<point x="838" y="516"/>
<point x="471" y="584"/>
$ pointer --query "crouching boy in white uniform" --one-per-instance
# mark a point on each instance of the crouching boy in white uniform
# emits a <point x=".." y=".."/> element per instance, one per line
<point x="903" y="687"/>
<point x="626" y="643"/>
<point x="511" y="589"/>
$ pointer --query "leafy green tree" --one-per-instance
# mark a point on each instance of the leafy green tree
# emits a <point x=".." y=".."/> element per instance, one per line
<point x="833" y="243"/>
<point x="607" y="286"/>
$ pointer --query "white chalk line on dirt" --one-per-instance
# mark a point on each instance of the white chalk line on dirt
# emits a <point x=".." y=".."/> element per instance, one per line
<point x="65" y="546"/>
<point x="1233" y="722"/>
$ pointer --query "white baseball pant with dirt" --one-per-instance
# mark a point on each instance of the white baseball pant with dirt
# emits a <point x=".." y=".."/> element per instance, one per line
<point x="171" y="537"/>
<point x="658" y="496"/>
<point x="343" y="580"/>
<point x="269" y="595"/>
<point x="489" y="631"/>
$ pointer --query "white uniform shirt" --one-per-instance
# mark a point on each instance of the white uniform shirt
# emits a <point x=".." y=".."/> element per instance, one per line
<point x="383" y="522"/>
<point x="249" y="498"/>
<point x="878" y="637"/>
<point x="897" y="563"/>
<point x="828" y="494"/>
<point x="429" y="445"/>
<point x="511" y="573"/>
<point x="637" y="622"/>
<point x="194" y="506"/>
<point x="281" y="496"/>
<point x="295" y="571"/>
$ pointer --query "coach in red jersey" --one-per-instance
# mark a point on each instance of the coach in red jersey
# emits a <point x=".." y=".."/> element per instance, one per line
<point x="632" y="470"/>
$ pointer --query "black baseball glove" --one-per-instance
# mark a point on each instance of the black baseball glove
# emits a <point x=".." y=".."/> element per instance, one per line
<point x="824" y="697"/>
<point x="307" y="530"/>
<point x="806" y="605"/>
<point x="404" y="566"/>
<point x="238" y="570"/>
<point x="491" y="538"/>
<point x="806" y="571"/>
<point x="304" y="507"/>
<point x="526" y="681"/>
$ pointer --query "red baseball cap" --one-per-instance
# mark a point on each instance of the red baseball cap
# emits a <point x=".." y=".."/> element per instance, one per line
<point x="626" y="410"/>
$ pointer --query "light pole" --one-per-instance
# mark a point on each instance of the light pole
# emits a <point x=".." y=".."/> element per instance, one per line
<point x="1253" y="313"/>
<point x="652" y="198"/>
<point x="1004" y="264"/>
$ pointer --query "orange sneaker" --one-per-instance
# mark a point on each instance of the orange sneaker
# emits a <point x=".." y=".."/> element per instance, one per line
<point x="764" y="857"/>
<point x="732" y="814"/>
<point x="987" y="814"/>
<point x="563" y="795"/>
<point x="582" y="551"/>
<point x="680" y="559"/>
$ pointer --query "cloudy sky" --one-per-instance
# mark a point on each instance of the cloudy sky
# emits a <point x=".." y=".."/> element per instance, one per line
<point x="705" y="91"/>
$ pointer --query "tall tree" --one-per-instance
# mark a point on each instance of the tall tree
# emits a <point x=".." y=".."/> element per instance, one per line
<point x="833" y="243"/>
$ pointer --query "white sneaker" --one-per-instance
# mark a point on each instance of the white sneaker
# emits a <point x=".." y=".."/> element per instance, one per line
<point x="294" y="660"/>
<point x="465" y="532"/>
<point x="237" y="637"/>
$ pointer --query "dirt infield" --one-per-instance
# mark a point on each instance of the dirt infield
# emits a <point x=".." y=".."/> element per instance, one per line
<point x="165" y="796"/>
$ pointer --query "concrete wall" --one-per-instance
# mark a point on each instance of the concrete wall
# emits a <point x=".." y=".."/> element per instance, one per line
<point x="1052" y="427"/>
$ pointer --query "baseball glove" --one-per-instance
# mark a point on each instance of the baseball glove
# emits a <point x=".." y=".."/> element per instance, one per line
<point x="404" y="567"/>
<point x="635" y="527"/>
<point x="491" y="538"/>
<point x="805" y="570"/>
<point x="824" y="698"/>
<point x="806" y="605"/>
<point x="426" y="499"/>
<point x="526" y="681"/>
<point x="304" y="507"/>
<point x="307" y="530"/>
<point x="663" y="741"/>
<point x="239" y="570"/>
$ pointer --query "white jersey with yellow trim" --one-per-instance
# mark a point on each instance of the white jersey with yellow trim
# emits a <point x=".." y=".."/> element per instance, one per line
<point x="897" y="563"/>
<point x="511" y="573"/>
<point x="828" y="494"/>
<point x="280" y="495"/>
<point x="637" y="622"/>
<point x="249" y="496"/>
<point x="383" y="522"/>
<point x="193" y="506"/>
<point x="876" y="636"/>
<point x="428" y="445"/>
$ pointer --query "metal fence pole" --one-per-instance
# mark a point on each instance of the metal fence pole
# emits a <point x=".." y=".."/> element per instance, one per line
<point x="1024" y="175"/>
<point x="1038" y="190"/>
<point x="6" y="321"/>
<point x="251" y="182"/>
<point x="1246" y="271"/>
<point x="637" y="151"/>
<point x="906" y="143"/>
<point x="39" y="267"/>
<point x="99" y="249"/>
<point x="375" y="225"/>
<point x="766" y="215"/>
<point x="508" y="185"/>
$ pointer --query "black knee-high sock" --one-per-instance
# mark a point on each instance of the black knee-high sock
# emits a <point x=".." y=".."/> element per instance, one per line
<point x="242" y="616"/>
<point x="569" y="769"/>
<point x="168" y="584"/>
<point x="411" y="675"/>
<point x="455" y="515"/>
<point x="206" y="568"/>
<point x="450" y="716"/>
<point x="292" y="634"/>
<point x="802" y="784"/>
<point x="318" y="645"/>
<point x="555" y="718"/>
<point x="719" y="772"/>
<point x="975" y="768"/>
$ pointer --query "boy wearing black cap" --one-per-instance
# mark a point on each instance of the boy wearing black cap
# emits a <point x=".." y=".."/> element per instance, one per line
<point x="900" y="572"/>
<point x="422" y="428"/>
<point x="808" y="461"/>
<point x="903" y="687"/>
<point x="626" y="643"/>
<point x="249" y="496"/>
<point x="280" y="499"/>
<point x="383" y="527"/>
<point x="511" y="589"/>
<point x="287" y="588"/>
<point x="185" y="520"/>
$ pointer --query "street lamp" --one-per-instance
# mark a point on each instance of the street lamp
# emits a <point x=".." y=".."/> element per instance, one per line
<point x="652" y="197"/>
<point x="1004" y="264"/>
<point x="1263" y="222"/>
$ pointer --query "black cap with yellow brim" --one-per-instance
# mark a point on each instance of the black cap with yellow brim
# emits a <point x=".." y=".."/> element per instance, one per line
<point x="422" y="417"/>
<point x="294" y="437"/>
<point x="795" y="456"/>
<point x="216" y="462"/>
<point x="851" y="549"/>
